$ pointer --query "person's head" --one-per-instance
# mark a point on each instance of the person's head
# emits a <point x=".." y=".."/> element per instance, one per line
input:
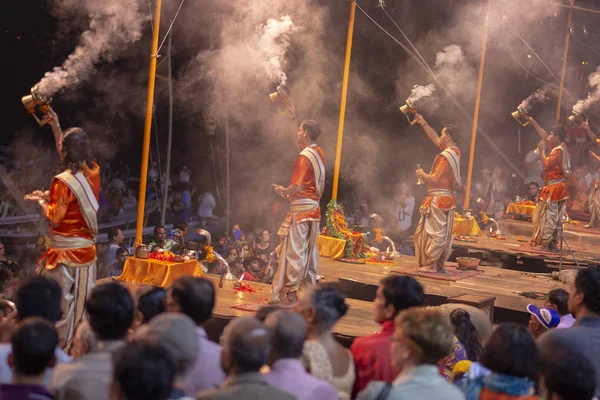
<point x="449" y="136"/>
<point x="541" y="320"/>
<point x="511" y="350"/>
<point x="232" y="254"/>
<point x="533" y="189"/>
<point x="288" y="333"/>
<point x="176" y="333"/>
<point x="404" y="188"/>
<point x="466" y="333"/>
<point x="321" y="307"/>
<point x="150" y="303"/>
<point x="254" y="265"/>
<point x="397" y="293"/>
<point x="182" y="226"/>
<point x="160" y="234"/>
<point x="110" y="310"/>
<point x="194" y="297"/>
<point x="557" y="135"/>
<point x="567" y="375"/>
<point x="115" y="235"/>
<point x="33" y="345"/>
<point x="558" y="300"/>
<point x="421" y="336"/>
<point x="235" y="228"/>
<point x="265" y="311"/>
<point x="142" y="371"/>
<point x="246" y="345"/>
<point x="76" y="150"/>
<point x="308" y="131"/>
<point x="122" y="255"/>
<point x="84" y="341"/>
<point x="584" y="298"/>
<point x="265" y="236"/>
<point x="39" y="297"/>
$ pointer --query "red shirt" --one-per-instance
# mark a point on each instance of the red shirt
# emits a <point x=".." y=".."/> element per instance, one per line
<point x="373" y="358"/>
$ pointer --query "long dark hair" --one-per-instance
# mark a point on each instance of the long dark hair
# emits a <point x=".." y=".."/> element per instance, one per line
<point x="76" y="146"/>
<point x="466" y="333"/>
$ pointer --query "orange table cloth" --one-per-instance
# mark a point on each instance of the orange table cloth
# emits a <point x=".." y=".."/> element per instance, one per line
<point x="517" y="208"/>
<point x="330" y="247"/>
<point x="466" y="227"/>
<point x="158" y="273"/>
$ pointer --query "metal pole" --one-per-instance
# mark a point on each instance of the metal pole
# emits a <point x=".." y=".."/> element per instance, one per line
<point x="163" y="214"/>
<point x="148" y="126"/>
<point x="477" y="104"/>
<point x="338" y="149"/>
<point x="564" y="64"/>
<point x="227" y="185"/>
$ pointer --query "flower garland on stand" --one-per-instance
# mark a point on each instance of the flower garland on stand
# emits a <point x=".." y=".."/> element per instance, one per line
<point x="336" y="227"/>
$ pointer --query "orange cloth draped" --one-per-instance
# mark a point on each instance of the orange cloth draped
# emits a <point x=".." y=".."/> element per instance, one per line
<point x="553" y="171"/>
<point x="158" y="273"/>
<point x="442" y="171"/>
<point x="465" y="227"/>
<point x="522" y="209"/>
<point x="330" y="247"/>
<point x="304" y="177"/>
<point x="65" y="219"/>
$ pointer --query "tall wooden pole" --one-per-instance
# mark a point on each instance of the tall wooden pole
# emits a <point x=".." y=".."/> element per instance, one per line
<point x="564" y="64"/>
<point x="338" y="149"/>
<point x="165" y="194"/>
<point x="486" y="26"/>
<point x="148" y="125"/>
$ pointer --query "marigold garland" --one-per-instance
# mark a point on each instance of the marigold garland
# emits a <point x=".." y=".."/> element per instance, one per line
<point x="484" y="218"/>
<point x="336" y="227"/>
<point x="210" y="253"/>
<point x="162" y="256"/>
<point x="378" y="235"/>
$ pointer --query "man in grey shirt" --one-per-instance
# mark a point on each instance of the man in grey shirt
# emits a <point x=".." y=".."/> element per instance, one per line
<point x="584" y="336"/>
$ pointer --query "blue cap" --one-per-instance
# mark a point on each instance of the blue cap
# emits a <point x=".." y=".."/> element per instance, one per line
<point x="548" y="317"/>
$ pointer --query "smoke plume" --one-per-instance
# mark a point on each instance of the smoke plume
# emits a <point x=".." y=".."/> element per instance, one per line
<point x="418" y="92"/>
<point x="273" y="44"/>
<point x="454" y="71"/>
<point x="113" y="25"/>
<point x="593" y="96"/>
<point x="539" y="96"/>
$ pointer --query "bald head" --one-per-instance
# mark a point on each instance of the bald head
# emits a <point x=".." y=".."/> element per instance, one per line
<point x="246" y="346"/>
<point x="288" y="333"/>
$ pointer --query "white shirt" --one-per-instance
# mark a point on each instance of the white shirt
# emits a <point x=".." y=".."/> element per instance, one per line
<point x="6" y="374"/>
<point x="534" y="174"/>
<point x="207" y="205"/>
<point x="405" y="213"/>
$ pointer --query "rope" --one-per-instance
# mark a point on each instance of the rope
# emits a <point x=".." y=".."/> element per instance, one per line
<point x="170" y="27"/>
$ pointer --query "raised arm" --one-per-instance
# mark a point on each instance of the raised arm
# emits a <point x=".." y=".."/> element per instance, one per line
<point x="588" y="130"/>
<point x="594" y="155"/>
<point x="429" y="131"/>
<point x="57" y="131"/>
<point x="541" y="131"/>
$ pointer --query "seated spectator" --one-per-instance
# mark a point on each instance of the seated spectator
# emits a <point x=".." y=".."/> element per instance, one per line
<point x="142" y="372"/>
<point x="237" y="234"/>
<point x="465" y="332"/>
<point x="373" y="354"/>
<point x="262" y="246"/>
<point x="541" y="320"/>
<point x="512" y="357"/>
<point x="150" y="303"/>
<point x="567" y="375"/>
<point x="160" y="240"/>
<point x="37" y="297"/>
<point x="288" y="333"/>
<point x="584" y="336"/>
<point x="255" y="270"/>
<point x="110" y="311"/>
<point x="558" y="300"/>
<point x="33" y="346"/>
<point x="246" y="345"/>
<point x="177" y="334"/>
<point x="323" y="356"/>
<point x="115" y="240"/>
<point x="130" y="200"/>
<point x="265" y="311"/>
<point x="116" y="268"/>
<point x="235" y="264"/>
<point x="195" y="297"/>
<point x="533" y="191"/>
<point x="84" y="341"/>
<point x="422" y="337"/>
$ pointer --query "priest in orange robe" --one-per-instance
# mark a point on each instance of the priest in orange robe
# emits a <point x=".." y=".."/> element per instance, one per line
<point x="70" y="208"/>
<point x="433" y="237"/>
<point x="550" y="209"/>
<point x="298" y="253"/>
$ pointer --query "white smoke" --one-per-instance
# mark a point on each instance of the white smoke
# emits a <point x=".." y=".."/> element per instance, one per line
<point x="113" y="25"/>
<point x="593" y="96"/>
<point x="273" y="43"/>
<point x="454" y="71"/>
<point x="539" y="96"/>
<point x="418" y="92"/>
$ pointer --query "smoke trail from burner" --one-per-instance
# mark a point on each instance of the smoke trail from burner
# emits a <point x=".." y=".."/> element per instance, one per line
<point x="539" y="96"/>
<point x="113" y="25"/>
<point x="593" y="96"/>
<point x="273" y="44"/>
<point x="418" y="92"/>
<point x="454" y="71"/>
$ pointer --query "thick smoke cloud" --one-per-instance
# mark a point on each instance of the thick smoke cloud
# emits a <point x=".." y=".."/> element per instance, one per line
<point x="539" y="96"/>
<point x="594" y="94"/>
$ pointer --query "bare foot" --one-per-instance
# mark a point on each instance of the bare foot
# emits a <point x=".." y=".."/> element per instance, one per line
<point x="428" y="268"/>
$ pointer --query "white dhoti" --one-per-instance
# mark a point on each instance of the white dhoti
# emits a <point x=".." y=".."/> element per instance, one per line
<point x="594" y="203"/>
<point x="298" y="253"/>
<point x="546" y="219"/>
<point x="433" y="237"/>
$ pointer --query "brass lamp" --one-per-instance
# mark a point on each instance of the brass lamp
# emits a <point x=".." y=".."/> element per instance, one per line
<point x="521" y="116"/>
<point x="38" y="105"/>
<point x="410" y="111"/>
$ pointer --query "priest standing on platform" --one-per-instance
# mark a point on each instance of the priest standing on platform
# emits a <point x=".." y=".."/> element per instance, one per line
<point x="298" y="253"/>
<point x="70" y="207"/>
<point x="433" y="237"/>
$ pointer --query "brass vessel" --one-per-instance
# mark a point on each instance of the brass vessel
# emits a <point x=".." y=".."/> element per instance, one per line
<point x="410" y="110"/>
<point x="521" y="116"/>
<point x="38" y="106"/>
<point x="283" y="101"/>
